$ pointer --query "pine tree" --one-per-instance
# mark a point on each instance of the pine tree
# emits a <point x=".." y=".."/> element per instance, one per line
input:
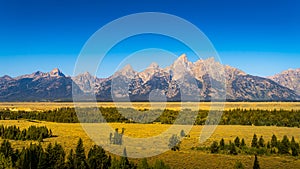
<point x="80" y="159"/>
<point x="256" y="163"/>
<point x="268" y="144"/>
<point x="6" y="149"/>
<point x="110" y="138"/>
<point x="214" y="148"/>
<point x="232" y="149"/>
<point x="222" y="144"/>
<point x="237" y="141"/>
<point x="254" y="141"/>
<point x="43" y="161"/>
<point x="124" y="162"/>
<point x="70" y="160"/>
<point x="97" y="158"/>
<point x="5" y="163"/>
<point x="24" y="159"/>
<point x="243" y="144"/>
<point x="182" y="133"/>
<point x="284" y="146"/>
<point x="294" y="147"/>
<point x="116" y="137"/>
<point x="50" y="155"/>
<point x="261" y="142"/>
<point x="59" y="156"/>
<point x="274" y="141"/>
<point x="115" y="164"/>
<point x="294" y="151"/>
<point x="40" y="139"/>
<point x="174" y="142"/>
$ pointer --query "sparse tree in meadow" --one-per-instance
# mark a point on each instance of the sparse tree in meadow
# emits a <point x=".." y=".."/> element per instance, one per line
<point x="214" y="148"/>
<point x="182" y="133"/>
<point x="222" y="144"/>
<point x="110" y="138"/>
<point x="294" y="147"/>
<point x="174" y="143"/>
<point x="261" y="142"/>
<point x="243" y="144"/>
<point x="254" y="142"/>
<point x="268" y="144"/>
<point x="256" y="163"/>
<point x="237" y="141"/>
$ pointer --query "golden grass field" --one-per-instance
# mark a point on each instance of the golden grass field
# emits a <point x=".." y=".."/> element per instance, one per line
<point x="40" y="106"/>
<point x="68" y="134"/>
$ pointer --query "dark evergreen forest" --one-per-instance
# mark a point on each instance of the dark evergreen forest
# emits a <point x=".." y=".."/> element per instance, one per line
<point x="255" y="117"/>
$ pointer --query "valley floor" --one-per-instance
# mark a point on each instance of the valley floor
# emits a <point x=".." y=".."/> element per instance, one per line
<point x="40" y="106"/>
<point x="69" y="133"/>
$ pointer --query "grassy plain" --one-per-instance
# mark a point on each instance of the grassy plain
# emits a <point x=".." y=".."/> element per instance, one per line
<point x="68" y="134"/>
<point x="40" y="106"/>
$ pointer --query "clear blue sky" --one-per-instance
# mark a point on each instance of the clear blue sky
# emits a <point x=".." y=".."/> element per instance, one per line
<point x="261" y="37"/>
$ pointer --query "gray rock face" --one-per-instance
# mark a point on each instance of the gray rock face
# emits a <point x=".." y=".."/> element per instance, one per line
<point x="289" y="78"/>
<point x="181" y="81"/>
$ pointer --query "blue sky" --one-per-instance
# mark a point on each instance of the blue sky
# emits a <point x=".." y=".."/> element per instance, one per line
<point x="261" y="37"/>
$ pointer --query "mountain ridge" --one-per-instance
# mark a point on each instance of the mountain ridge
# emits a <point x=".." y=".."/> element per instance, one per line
<point x="181" y="81"/>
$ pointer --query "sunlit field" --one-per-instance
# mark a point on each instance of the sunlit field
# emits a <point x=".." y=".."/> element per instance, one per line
<point x="40" y="106"/>
<point x="68" y="134"/>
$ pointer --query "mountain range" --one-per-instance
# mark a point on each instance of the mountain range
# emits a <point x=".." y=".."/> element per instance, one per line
<point x="181" y="81"/>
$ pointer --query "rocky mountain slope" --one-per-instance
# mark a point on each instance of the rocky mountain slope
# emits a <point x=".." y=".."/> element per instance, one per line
<point x="38" y="86"/>
<point x="289" y="78"/>
<point x="181" y="81"/>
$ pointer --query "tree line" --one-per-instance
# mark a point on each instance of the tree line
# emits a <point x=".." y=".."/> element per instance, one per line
<point x="32" y="133"/>
<point x="55" y="157"/>
<point x="286" y="118"/>
<point x="258" y="146"/>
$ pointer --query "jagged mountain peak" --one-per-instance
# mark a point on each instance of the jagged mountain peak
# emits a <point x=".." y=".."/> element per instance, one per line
<point x="126" y="68"/>
<point x="182" y="62"/>
<point x="153" y="65"/>
<point x="182" y="58"/>
<point x="150" y="71"/>
<point x="56" y="72"/>
<point x="126" y="71"/>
